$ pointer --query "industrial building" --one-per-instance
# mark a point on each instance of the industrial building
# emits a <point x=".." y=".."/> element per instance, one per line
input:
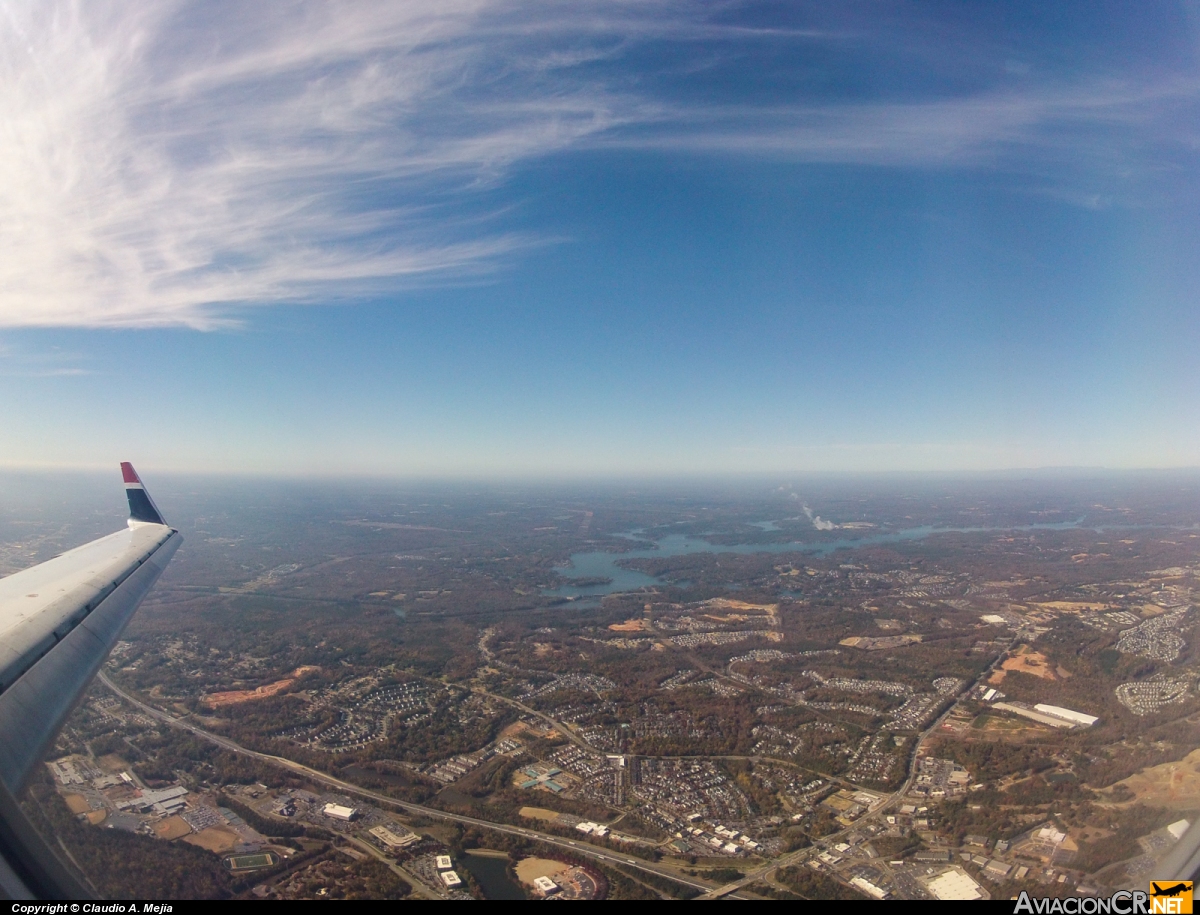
<point x="1053" y="721"/>
<point x="1053" y="715"/>
<point x="1067" y="714"/>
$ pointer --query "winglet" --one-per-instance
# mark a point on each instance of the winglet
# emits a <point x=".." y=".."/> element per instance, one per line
<point x="141" y="507"/>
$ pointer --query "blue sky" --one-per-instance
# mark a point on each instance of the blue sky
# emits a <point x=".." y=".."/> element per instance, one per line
<point x="572" y="238"/>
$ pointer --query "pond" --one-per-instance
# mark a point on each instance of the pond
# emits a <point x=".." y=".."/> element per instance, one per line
<point x="490" y="870"/>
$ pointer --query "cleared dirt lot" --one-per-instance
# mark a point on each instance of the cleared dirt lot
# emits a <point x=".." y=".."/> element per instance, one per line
<point x="529" y="869"/>
<point x="172" y="828"/>
<point x="215" y="838"/>
<point x="1175" y="785"/>
<point x="1026" y="661"/>
<point x="540" y="813"/>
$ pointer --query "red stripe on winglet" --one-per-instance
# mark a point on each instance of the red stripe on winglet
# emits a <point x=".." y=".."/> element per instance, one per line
<point x="129" y="473"/>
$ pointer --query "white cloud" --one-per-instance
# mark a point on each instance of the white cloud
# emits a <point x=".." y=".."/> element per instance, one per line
<point x="1097" y="127"/>
<point x="160" y="167"/>
<point x="170" y="162"/>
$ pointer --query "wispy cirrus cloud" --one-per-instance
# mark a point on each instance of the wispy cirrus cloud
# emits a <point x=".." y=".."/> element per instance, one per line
<point x="170" y="162"/>
<point x="20" y="362"/>
<point x="162" y="167"/>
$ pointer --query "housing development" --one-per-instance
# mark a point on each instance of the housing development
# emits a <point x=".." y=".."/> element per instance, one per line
<point x="947" y="690"/>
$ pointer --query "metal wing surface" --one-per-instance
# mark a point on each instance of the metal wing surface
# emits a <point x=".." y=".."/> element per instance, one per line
<point x="60" y="619"/>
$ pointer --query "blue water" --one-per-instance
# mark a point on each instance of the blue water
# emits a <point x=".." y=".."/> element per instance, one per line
<point x="766" y="525"/>
<point x="604" y="565"/>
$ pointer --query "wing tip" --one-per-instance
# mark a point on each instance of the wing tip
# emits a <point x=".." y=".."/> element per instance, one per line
<point x="141" y="507"/>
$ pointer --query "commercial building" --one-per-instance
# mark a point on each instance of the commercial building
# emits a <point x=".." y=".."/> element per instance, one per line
<point x="545" y="885"/>
<point x="997" y="869"/>
<point x="592" y="829"/>
<point x="955" y="884"/>
<point x="1050" y="835"/>
<point x="934" y="856"/>
<point x="394" y="840"/>
<point x="444" y="863"/>
<point x="338" y="812"/>
<point x="868" y="887"/>
<point x="450" y="879"/>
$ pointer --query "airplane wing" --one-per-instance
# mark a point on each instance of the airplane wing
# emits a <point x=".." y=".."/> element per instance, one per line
<point x="1183" y="860"/>
<point x="58" y="622"/>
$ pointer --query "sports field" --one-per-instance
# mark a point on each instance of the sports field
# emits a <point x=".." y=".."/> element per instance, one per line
<point x="250" y="862"/>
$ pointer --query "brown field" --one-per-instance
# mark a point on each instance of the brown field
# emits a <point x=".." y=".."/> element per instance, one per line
<point x="96" y="817"/>
<point x="995" y="726"/>
<point x="112" y="764"/>
<point x="172" y="828"/>
<point x="77" y="803"/>
<point x="870" y="643"/>
<point x="530" y="868"/>
<point x="1175" y="785"/>
<point x="1025" y="661"/>
<point x="517" y="728"/>
<point x="629" y="626"/>
<point x="1073" y="606"/>
<point x="724" y="603"/>
<point x="214" y="838"/>
<point x="238" y="696"/>
<point x="539" y="813"/>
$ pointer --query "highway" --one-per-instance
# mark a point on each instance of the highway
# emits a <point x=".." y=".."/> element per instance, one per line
<point x="583" y="849"/>
<point x="728" y="891"/>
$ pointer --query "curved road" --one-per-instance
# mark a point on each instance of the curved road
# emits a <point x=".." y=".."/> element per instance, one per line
<point x="890" y="800"/>
<point x="580" y="848"/>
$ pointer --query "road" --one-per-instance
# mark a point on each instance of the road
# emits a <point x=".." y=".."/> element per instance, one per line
<point x="579" y="848"/>
<point x="830" y="840"/>
<point x="557" y="725"/>
<point x="418" y="885"/>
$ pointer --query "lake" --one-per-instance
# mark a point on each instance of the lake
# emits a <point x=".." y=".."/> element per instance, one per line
<point x="604" y="565"/>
